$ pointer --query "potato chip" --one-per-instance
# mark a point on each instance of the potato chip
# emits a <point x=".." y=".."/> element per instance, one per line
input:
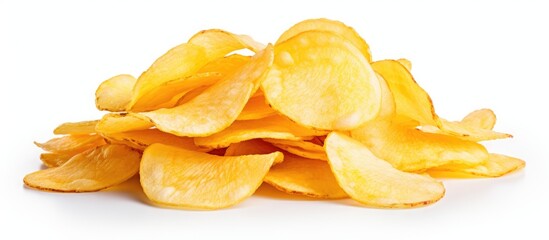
<point x="411" y="100"/>
<point x="311" y="73"/>
<point x="114" y="94"/>
<point x="301" y="148"/>
<point x="303" y="176"/>
<point x="374" y="182"/>
<point x="468" y="132"/>
<point x="327" y="25"/>
<point x="482" y="118"/>
<point x="76" y="128"/>
<point x="216" y="108"/>
<point x="167" y="94"/>
<point x="92" y="170"/>
<point x="182" y="178"/>
<point x="55" y="159"/>
<point x="256" y="108"/>
<point x="121" y="122"/>
<point x="496" y="166"/>
<point x="277" y="127"/>
<point x="71" y="144"/>
<point x="141" y="139"/>
<point x="409" y="149"/>
<point x="406" y="63"/>
<point x="219" y="43"/>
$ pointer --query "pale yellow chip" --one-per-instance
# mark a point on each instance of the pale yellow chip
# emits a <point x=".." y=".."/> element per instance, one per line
<point x="218" y="106"/>
<point x="71" y="144"/>
<point x="121" y="122"/>
<point x="55" y="159"/>
<point x="114" y="94"/>
<point x="256" y="108"/>
<point x="92" y="170"/>
<point x="321" y="80"/>
<point x="468" y="132"/>
<point x="141" y="139"/>
<point x="218" y="42"/>
<point x="374" y="182"/>
<point x="406" y="63"/>
<point x="182" y="178"/>
<point x="253" y="146"/>
<point x="409" y="149"/>
<point x="303" y="176"/>
<point x="301" y="148"/>
<point x="277" y="127"/>
<point x="496" y="166"/>
<point x="483" y="118"/>
<point x="76" y="128"/>
<point x="411" y="101"/>
<point x="336" y="27"/>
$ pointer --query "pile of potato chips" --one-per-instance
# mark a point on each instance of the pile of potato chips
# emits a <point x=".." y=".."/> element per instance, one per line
<point x="311" y="115"/>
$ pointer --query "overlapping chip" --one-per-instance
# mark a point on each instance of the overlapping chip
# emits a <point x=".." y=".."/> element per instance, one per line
<point x="312" y="115"/>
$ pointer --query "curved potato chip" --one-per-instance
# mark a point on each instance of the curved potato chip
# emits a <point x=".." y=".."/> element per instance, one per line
<point x="303" y="176"/>
<point x="141" y="139"/>
<point x="114" y="94"/>
<point x="253" y="146"/>
<point x="496" y="166"/>
<point x="256" y="108"/>
<point x="55" y="159"/>
<point x="121" y="122"/>
<point x="409" y="149"/>
<point x="406" y="63"/>
<point x="373" y="181"/>
<point x="167" y="94"/>
<point x="483" y="118"/>
<point x="71" y="144"/>
<point x="76" y="128"/>
<point x="312" y="72"/>
<point x="218" y="42"/>
<point x="327" y="25"/>
<point x="92" y="170"/>
<point x="470" y="133"/>
<point x="218" y="106"/>
<point x="300" y="148"/>
<point x="277" y="127"/>
<point x="411" y="100"/>
<point x="182" y="178"/>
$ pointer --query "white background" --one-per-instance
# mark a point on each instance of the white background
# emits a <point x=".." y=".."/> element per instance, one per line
<point x="467" y="55"/>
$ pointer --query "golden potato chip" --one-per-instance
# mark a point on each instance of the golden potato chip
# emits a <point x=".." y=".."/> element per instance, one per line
<point x="327" y="25"/>
<point x="114" y="94"/>
<point x="182" y="178"/>
<point x="411" y="100"/>
<point x="55" y="159"/>
<point x="312" y="72"/>
<point x="256" y="108"/>
<point x="482" y="118"/>
<point x="71" y="144"/>
<point x="406" y="63"/>
<point x="121" y="122"/>
<point x="373" y="181"/>
<point x="468" y="132"/>
<point x="218" y="106"/>
<point x="141" y="139"/>
<point x="219" y="43"/>
<point x="409" y="149"/>
<point x="167" y="94"/>
<point x="496" y="166"/>
<point x="250" y="147"/>
<point x="277" y="127"/>
<point x="301" y="148"/>
<point x="92" y="170"/>
<point x="76" y="128"/>
<point x="303" y="176"/>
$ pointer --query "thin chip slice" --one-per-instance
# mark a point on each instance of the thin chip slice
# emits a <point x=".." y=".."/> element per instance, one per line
<point x="411" y="100"/>
<point x="55" y="159"/>
<point x="303" y="176"/>
<point x="141" y="139"/>
<point x="301" y="148"/>
<point x="373" y="181"/>
<point x="114" y="94"/>
<point x="406" y="63"/>
<point x="409" y="149"/>
<point x="312" y="72"/>
<point x="253" y="146"/>
<point x="483" y="118"/>
<point x="121" y="122"/>
<point x="256" y="108"/>
<point x="218" y="106"/>
<point x="218" y="42"/>
<point x="71" y="144"/>
<point x="336" y="27"/>
<point x="496" y="166"/>
<point x="92" y="170"/>
<point x="470" y="133"/>
<point x="76" y="128"/>
<point x="277" y="127"/>
<point x="182" y="178"/>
